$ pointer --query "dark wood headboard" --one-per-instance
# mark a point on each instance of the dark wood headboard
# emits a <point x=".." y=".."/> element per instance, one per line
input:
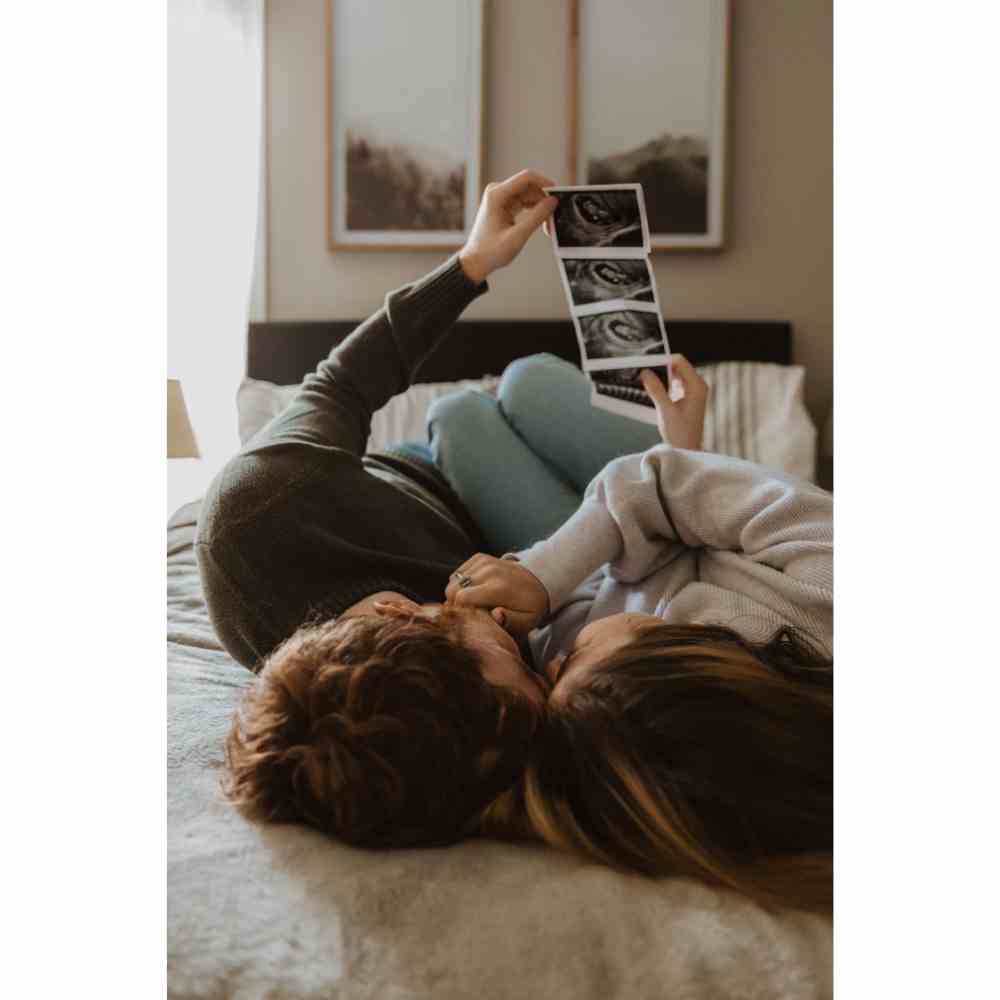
<point x="285" y="352"/>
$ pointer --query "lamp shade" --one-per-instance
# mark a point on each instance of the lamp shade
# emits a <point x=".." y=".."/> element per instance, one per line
<point x="180" y="436"/>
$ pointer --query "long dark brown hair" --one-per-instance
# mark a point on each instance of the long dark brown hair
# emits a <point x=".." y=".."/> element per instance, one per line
<point x="692" y="751"/>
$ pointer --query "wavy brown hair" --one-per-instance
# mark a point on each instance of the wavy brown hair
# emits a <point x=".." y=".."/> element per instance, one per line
<point x="379" y="731"/>
<point x="691" y="751"/>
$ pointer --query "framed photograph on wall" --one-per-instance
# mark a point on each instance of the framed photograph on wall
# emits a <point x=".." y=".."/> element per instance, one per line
<point x="648" y="83"/>
<point x="404" y="123"/>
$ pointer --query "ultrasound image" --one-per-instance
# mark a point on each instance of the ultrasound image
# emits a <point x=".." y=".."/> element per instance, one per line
<point x="622" y="333"/>
<point x="600" y="280"/>
<point x="598" y="219"/>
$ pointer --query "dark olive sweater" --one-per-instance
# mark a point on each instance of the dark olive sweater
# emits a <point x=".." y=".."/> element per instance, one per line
<point x="302" y="523"/>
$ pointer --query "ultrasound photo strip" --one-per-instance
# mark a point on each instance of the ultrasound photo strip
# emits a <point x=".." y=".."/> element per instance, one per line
<point x="604" y="221"/>
<point x="600" y="237"/>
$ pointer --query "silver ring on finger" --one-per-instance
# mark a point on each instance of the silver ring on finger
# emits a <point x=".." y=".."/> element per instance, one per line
<point x="463" y="580"/>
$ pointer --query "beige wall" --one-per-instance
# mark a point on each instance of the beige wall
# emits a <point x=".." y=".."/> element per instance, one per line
<point x="779" y="256"/>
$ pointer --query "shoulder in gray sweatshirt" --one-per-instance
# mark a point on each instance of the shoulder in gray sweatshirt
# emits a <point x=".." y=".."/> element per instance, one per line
<point x="694" y="538"/>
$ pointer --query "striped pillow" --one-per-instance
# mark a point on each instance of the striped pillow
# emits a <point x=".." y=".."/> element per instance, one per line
<point x="757" y="412"/>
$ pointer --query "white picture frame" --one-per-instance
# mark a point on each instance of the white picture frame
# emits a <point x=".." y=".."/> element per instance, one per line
<point x="404" y="164"/>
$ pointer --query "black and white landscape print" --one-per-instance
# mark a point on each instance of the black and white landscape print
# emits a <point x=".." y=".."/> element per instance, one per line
<point x="673" y="172"/>
<point x="405" y="158"/>
<point x="395" y="188"/>
<point x="594" y="219"/>
<point x="621" y="333"/>
<point x="650" y="106"/>
<point x="600" y="280"/>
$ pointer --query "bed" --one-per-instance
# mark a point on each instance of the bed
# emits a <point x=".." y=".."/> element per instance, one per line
<point x="281" y="911"/>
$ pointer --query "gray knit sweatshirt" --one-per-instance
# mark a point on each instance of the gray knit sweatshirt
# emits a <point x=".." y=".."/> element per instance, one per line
<point x="694" y="538"/>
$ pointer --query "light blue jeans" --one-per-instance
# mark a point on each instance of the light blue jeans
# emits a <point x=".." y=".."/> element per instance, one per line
<point x="521" y="461"/>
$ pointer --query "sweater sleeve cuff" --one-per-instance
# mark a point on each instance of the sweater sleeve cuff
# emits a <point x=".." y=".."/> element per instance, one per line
<point x="422" y="313"/>
<point x="447" y="287"/>
<point x="587" y="541"/>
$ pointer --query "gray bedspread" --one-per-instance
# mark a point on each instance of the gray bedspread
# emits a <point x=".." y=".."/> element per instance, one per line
<point x="281" y="911"/>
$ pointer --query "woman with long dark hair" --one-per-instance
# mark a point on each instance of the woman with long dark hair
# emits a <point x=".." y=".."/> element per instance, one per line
<point x="684" y="618"/>
<point x="690" y="751"/>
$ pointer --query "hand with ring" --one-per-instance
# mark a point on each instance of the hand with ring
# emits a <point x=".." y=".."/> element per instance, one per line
<point x="513" y="595"/>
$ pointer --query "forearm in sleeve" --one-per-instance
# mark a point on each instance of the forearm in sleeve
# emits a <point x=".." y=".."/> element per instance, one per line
<point x="641" y="510"/>
<point x="376" y="362"/>
<point x="703" y="500"/>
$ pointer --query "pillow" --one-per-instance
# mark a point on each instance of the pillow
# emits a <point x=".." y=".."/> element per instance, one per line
<point x="757" y="411"/>
<point x="403" y="418"/>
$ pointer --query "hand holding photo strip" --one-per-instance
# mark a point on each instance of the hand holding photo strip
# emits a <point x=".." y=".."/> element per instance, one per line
<point x="620" y="390"/>
<point x="600" y="236"/>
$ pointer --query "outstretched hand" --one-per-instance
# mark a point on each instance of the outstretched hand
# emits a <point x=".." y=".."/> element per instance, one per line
<point x="680" y="415"/>
<point x="508" y="214"/>
<point x="515" y="598"/>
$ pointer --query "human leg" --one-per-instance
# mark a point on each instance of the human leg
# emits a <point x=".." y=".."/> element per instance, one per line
<point x="546" y="401"/>
<point x="511" y="493"/>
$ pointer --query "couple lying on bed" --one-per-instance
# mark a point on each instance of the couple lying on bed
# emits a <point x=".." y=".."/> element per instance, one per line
<point x="641" y="675"/>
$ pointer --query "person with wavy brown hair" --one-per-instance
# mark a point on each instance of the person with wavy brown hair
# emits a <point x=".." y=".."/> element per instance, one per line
<point x="376" y="715"/>
<point x="380" y="730"/>
<point x="684" y="618"/>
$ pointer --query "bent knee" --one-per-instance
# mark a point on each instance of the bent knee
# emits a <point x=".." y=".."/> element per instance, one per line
<point x="527" y="381"/>
<point x="461" y="408"/>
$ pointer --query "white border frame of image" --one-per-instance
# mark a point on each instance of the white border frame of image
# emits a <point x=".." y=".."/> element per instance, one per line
<point x="567" y="288"/>
<point x="714" y="239"/>
<point x="632" y="361"/>
<point x="602" y="253"/>
<point x="340" y="237"/>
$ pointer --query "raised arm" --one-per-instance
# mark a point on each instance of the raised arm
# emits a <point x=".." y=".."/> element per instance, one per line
<point x="295" y="524"/>
<point x="515" y="595"/>
<point x="377" y="361"/>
